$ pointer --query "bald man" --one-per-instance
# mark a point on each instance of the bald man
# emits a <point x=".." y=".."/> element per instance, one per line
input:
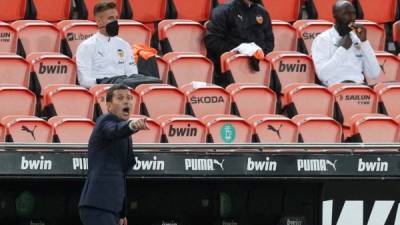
<point x="343" y="54"/>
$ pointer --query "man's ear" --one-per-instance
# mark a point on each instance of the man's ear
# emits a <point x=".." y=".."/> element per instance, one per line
<point x="108" y="104"/>
<point x="99" y="22"/>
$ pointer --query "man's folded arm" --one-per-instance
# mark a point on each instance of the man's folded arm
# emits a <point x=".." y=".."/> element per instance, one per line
<point x="371" y="65"/>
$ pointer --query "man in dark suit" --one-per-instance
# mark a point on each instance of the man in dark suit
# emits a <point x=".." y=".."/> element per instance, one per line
<point x="103" y="198"/>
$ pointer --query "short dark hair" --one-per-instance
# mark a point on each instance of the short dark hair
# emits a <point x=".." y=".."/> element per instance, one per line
<point x="103" y="6"/>
<point x="115" y="87"/>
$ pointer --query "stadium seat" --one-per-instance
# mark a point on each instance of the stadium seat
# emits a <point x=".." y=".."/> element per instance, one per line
<point x="396" y="35"/>
<point x="181" y="36"/>
<point x="14" y="70"/>
<point x="160" y="99"/>
<point x="61" y="100"/>
<point x="163" y="69"/>
<point x="15" y="10"/>
<point x="285" y="36"/>
<point x="376" y="34"/>
<point x="36" y="36"/>
<point x="148" y="13"/>
<point x="16" y="100"/>
<point x="390" y="65"/>
<point x="27" y="129"/>
<point x="71" y="129"/>
<point x="187" y="67"/>
<point x="318" y="129"/>
<point x="308" y="30"/>
<point x="321" y="9"/>
<point x="286" y="10"/>
<point x="243" y="98"/>
<point x="273" y="129"/>
<point x="2" y="133"/>
<point x="85" y="8"/>
<point x="307" y="99"/>
<point x="374" y="128"/>
<point x="73" y="33"/>
<point x="205" y="99"/>
<point x="134" y="32"/>
<point x="182" y="129"/>
<point x="153" y="135"/>
<point x="48" y="11"/>
<point x="388" y="98"/>
<point x="198" y="10"/>
<point x="227" y="129"/>
<point x="386" y="13"/>
<point x="8" y="38"/>
<point x="237" y="68"/>
<point x="51" y="68"/>
<point x="290" y="67"/>
<point x="99" y="93"/>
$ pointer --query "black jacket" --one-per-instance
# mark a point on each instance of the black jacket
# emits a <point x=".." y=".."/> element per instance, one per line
<point x="236" y="23"/>
<point x="110" y="159"/>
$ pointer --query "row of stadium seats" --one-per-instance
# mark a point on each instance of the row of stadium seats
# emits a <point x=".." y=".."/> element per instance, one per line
<point x="366" y="128"/>
<point x="199" y="10"/>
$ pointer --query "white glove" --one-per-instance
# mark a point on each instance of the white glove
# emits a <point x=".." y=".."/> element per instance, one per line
<point x="248" y="49"/>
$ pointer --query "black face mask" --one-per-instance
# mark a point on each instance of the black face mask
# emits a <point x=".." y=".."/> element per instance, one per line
<point x="112" y="28"/>
<point x="343" y="29"/>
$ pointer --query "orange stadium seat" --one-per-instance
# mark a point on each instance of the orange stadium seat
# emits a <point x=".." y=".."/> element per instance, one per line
<point x="198" y="10"/>
<point x="205" y="99"/>
<point x="99" y="92"/>
<point x="376" y="34"/>
<point x="16" y="100"/>
<point x="308" y="31"/>
<point x="2" y="133"/>
<point x="390" y="65"/>
<point x="51" y="68"/>
<point x="8" y="38"/>
<point x="71" y="129"/>
<point x="321" y="9"/>
<point x="85" y="7"/>
<point x="396" y="35"/>
<point x="48" y="11"/>
<point x="238" y="70"/>
<point x="163" y="69"/>
<point x="148" y="13"/>
<point x="15" y="10"/>
<point x="73" y="33"/>
<point x="61" y="100"/>
<point x="307" y="99"/>
<point x="14" y="70"/>
<point x="286" y="10"/>
<point x="160" y="99"/>
<point x="182" y="36"/>
<point x="182" y="129"/>
<point x="244" y="95"/>
<point x="387" y="10"/>
<point x="374" y="128"/>
<point x="187" y="67"/>
<point x="134" y="32"/>
<point x="290" y="67"/>
<point x="285" y="36"/>
<point x="318" y="129"/>
<point x="153" y="135"/>
<point x="273" y="129"/>
<point x="388" y="97"/>
<point x="227" y="129"/>
<point x="27" y="129"/>
<point x="36" y="36"/>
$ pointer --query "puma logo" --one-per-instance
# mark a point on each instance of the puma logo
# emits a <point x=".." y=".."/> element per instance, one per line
<point x="277" y="131"/>
<point x="333" y="164"/>
<point x="32" y="132"/>
<point x="383" y="66"/>
<point x="220" y="164"/>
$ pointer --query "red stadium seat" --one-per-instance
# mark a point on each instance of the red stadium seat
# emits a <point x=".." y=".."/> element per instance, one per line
<point x="273" y="129"/>
<point x="16" y="100"/>
<point x="388" y="97"/>
<point x="27" y="129"/>
<point x="134" y="32"/>
<point x="52" y="68"/>
<point x="322" y="9"/>
<point x="396" y="35"/>
<point x="244" y="95"/>
<point x="374" y="128"/>
<point x="163" y="69"/>
<point x="71" y="129"/>
<point x="238" y="69"/>
<point x="286" y="10"/>
<point x="375" y="33"/>
<point x="14" y="70"/>
<point x="15" y="10"/>
<point x="148" y="13"/>
<point x="8" y="38"/>
<point x="37" y="36"/>
<point x="48" y="11"/>
<point x="309" y="30"/>
<point x="205" y="99"/>
<point x="153" y="135"/>
<point x="73" y="33"/>
<point x="227" y="129"/>
<point x="390" y="65"/>
<point x="61" y="100"/>
<point x="198" y="10"/>
<point x="291" y="67"/>
<point x="387" y="10"/>
<point x="285" y="36"/>
<point x="307" y="99"/>
<point x="318" y="129"/>
<point x="182" y="129"/>
<point x="160" y="99"/>
<point x="182" y="36"/>
<point x="2" y="133"/>
<point x="86" y="7"/>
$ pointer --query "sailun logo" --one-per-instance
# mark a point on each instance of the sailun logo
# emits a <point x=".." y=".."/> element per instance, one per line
<point x="31" y="164"/>
<point x="149" y="165"/>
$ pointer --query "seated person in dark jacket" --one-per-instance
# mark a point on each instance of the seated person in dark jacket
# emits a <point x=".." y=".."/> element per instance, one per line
<point x="243" y="26"/>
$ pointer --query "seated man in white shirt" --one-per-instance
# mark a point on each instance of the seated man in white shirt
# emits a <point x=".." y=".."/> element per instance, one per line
<point x="106" y="58"/>
<point x="343" y="54"/>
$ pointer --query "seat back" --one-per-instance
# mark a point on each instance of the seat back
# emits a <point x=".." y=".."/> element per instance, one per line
<point x="387" y="10"/>
<point x="227" y="129"/>
<point x="388" y="96"/>
<point x="148" y="13"/>
<point x="310" y="127"/>
<point x="396" y="34"/>
<point x="285" y="36"/>
<point x="14" y="70"/>
<point x="199" y="10"/>
<point x="72" y="129"/>
<point x="152" y="135"/>
<point x="27" y="129"/>
<point x="286" y="10"/>
<point x="2" y="133"/>
<point x="8" y="38"/>
<point x="182" y="129"/>
<point x="89" y="6"/>
<point x="48" y="11"/>
<point x="308" y="30"/>
<point x="376" y="34"/>
<point x="163" y="69"/>
<point x="134" y="32"/>
<point x="390" y="66"/>
<point x="15" y="10"/>
<point x="16" y="100"/>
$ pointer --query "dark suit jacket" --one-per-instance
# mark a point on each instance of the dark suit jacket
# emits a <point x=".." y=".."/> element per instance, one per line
<point x="110" y="158"/>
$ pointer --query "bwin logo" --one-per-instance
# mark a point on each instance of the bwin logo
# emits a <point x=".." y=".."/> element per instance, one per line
<point x="377" y="166"/>
<point x="53" y="69"/>
<point x="155" y="165"/>
<point x="182" y="131"/>
<point x="40" y="164"/>
<point x="203" y="164"/>
<point x="266" y="165"/>
<point x="292" y="67"/>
